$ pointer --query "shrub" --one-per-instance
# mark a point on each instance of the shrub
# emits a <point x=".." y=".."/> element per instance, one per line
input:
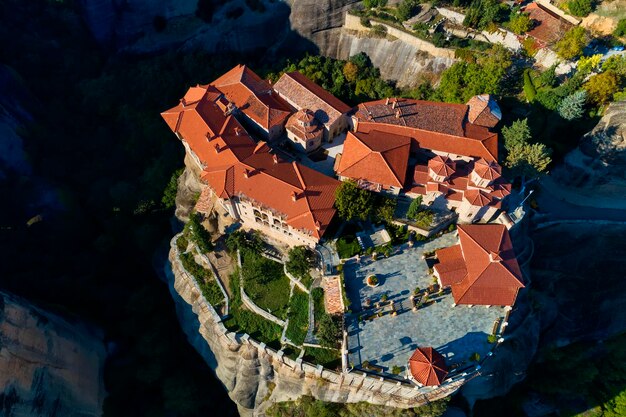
<point x="529" y="46"/>
<point x="580" y="8"/>
<point x="198" y="234"/>
<point x="572" y="43"/>
<point x="372" y="280"/>
<point x="328" y="358"/>
<point x="300" y="261"/>
<point x="573" y="106"/>
<point x="182" y="243"/>
<point x="620" y="30"/>
<point x="520" y="23"/>
<point x="169" y="194"/>
<point x="602" y="87"/>
<point x="240" y="240"/>
<point x="529" y="88"/>
<point x="384" y="297"/>
<point x="492" y="338"/>
<point x="379" y="31"/>
<point x="366" y="22"/>
<point x="407" y="9"/>
<point x="396" y="370"/>
<point x="329" y="331"/>
<point x="204" y="278"/>
<point x="414" y="208"/>
<point x="475" y="357"/>
<point x="347" y="247"/>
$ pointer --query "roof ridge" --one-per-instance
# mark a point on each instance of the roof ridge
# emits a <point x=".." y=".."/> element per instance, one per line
<point x="179" y="121"/>
<point x="325" y="101"/>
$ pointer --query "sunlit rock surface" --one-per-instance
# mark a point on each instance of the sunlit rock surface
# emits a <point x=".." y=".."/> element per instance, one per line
<point x="48" y="366"/>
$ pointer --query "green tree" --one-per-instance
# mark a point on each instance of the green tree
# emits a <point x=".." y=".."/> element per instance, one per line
<point x="169" y="194"/>
<point x="353" y="202"/>
<point x="572" y="43"/>
<point x="518" y="133"/>
<point x="587" y="64"/>
<point x="300" y="261"/>
<point x="528" y="160"/>
<point x="407" y="9"/>
<point x="484" y="13"/>
<point x="385" y="208"/>
<point x="573" y="106"/>
<point x="529" y="88"/>
<point x="616" y="407"/>
<point x="617" y="64"/>
<point x="580" y="8"/>
<point x="620" y="30"/>
<point x="548" y="78"/>
<point x="520" y="23"/>
<point x="414" y="208"/>
<point x="351" y="71"/>
<point x="602" y="87"/>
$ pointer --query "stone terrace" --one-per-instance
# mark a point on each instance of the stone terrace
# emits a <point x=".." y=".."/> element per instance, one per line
<point x="456" y="332"/>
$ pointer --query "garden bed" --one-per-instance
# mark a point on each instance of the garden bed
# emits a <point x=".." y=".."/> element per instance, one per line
<point x="328" y="358"/>
<point x="204" y="278"/>
<point x="245" y="321"/>
<point x="298" y="317"/>
<point x="348" y="246"/>
<point x="265" y="283"/>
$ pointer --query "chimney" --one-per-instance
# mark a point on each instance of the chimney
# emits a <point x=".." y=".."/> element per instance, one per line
<point x="397" y="113"/>
<point x="237" y="131"/>
<point x="393" y="104"/>
<point x="275" y="158"/>
<point x="183" y="102"/>
<point x="294" y="196"/>
<point x="318" y="225"/>
<point x="355" y="121"/>
<point x="217" y="148"/>
<point x="246" y="173"/>
<point x="495" y="256"/>
<point x="387" y="101"/>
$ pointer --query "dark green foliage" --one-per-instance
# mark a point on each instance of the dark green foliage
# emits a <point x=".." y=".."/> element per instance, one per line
<point x="385" y="208"/>
<point x="329" y="74"/>
<point x="548" y="78"/>
<point x="374" y="3"/>
<point x="318" y="304"/>
<point x="529" y="88"/>
<point x="620" y="30"/>
<point x="347" y="247"/>
<point x="328" y="358"/>
<point x="379" y="31"/>
<point x="309" y="407"/>
<point x="182" y="243"/>
<point x="353" y="202"/>
<point x="517" y="133"/>
<point x="580" y="8"/>
<point x="464" y="80"/>
<point x="245" y="321"/>
<point x="241" y="240"/>
<point x="169" y="194"/>
<point x="365" y="22"/>
<point x="195" y="231"/>
<point x="265" y="283"/>
<point x="298" y="317"/>
<point x="414" y="208"/>
<point x="329" y="330"/>
<point x="482" y="13"/>
<point x="407" y="9"/>
<point x="204" y="278"/>
<point x="301" y="260"/>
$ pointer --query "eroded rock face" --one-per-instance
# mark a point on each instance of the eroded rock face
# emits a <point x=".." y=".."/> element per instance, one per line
<point x="597" y="168"/>
<point x="48" y="367"/>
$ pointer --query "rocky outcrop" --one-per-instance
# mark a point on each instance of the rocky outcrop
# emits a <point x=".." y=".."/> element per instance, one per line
<point x="596" y="169"/>
<point x="48" y="366"/>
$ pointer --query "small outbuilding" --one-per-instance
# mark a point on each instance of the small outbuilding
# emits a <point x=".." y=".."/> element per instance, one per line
<point x="427" y="367"/>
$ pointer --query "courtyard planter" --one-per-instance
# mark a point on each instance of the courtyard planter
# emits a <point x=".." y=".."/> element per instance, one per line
<point x="372" y="281"/>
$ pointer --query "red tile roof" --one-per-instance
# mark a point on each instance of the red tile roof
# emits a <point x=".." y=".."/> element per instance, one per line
<point x="442" y="165"/>
<point x="303" y="93"/>
<point x="493" y="276"/>
<point x="375" y="156"/>
<point x="228" y="154"/>
<point x="427" y="366"/>
<point x="549" y="27"/>
<point x="304" y="125"/>
<point x="477" y="198"/>
<point x="487" y="170"/>
<point x="253" y="96"/>
<point x="305" y="197"/>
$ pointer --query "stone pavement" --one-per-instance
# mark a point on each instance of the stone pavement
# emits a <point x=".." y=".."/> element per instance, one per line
<point x="456" y="332"/>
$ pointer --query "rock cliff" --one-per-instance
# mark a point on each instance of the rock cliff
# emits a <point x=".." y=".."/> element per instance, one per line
<point x="48" y="366"/>
<point x="596" y="169"/>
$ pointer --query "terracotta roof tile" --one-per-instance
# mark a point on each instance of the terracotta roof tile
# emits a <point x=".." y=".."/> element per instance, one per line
<point x="304" y="125"/>
<point x="484" y="111"/>
<point x="377" y="157"/>
<point x="549" y="27"/>
<point x="493" y="274"/>
<point x="427" y="366"/>
<point x="253" y="96"/>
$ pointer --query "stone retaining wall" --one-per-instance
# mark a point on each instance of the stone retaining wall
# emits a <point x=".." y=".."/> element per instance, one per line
<point x="354" y="23"/>
<point x="245" y="366"/>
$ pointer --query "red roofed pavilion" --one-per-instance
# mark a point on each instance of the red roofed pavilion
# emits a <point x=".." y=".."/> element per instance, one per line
<point x="427" y="366"/>
<point x="482" y="269"/>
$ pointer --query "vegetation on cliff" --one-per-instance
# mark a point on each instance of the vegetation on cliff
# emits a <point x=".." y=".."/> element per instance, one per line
<point x="309" y="407"/>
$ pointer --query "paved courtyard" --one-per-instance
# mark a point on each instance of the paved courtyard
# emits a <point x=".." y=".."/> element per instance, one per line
<point x="387" y="341"/>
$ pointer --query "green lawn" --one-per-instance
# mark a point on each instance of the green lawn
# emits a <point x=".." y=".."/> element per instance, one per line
<point x="328" y="358"/>
<point x="245" y="321"/>
<point x="318" y="304"/>
<point x="347" y="246"/>
<point x="298" y="317"/>
<point x="266" y="283"/>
